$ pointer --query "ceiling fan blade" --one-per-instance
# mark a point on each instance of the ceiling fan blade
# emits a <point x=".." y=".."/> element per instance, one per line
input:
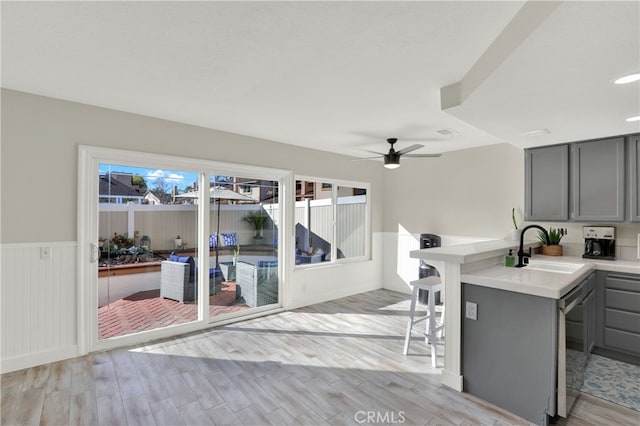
<point x="409" y="149"/>
<point x="382" y="154"/>
<point x="365" y="158"/>
<point x="422" y="155"/>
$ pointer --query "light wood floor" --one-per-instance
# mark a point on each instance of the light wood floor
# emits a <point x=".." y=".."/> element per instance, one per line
<point x="329" y="364"/>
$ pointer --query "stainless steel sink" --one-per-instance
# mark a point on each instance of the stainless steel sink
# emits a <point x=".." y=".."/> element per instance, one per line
<point x="549" y="266"/>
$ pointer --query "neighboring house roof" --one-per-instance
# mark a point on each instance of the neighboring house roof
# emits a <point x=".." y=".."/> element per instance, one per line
<point x="116" y="184"/>
<point x="159" y="197"/>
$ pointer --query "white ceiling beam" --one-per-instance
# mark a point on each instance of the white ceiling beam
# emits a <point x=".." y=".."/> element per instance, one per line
<point x="525" y="22"/>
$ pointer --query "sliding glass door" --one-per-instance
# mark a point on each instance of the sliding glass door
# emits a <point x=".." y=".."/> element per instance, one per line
<point x="174" y="244"/>
<point x="147" y="249"/>
<point x="244" y="241"/>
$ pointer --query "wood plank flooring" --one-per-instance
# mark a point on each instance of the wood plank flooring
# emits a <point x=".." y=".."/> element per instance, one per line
<point x="335" y="363"/>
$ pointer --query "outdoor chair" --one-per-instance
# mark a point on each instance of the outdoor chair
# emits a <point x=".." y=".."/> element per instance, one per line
<point x="303" y="258"/>
<point x="258" y="284"/>
<point x="178" y="278"/>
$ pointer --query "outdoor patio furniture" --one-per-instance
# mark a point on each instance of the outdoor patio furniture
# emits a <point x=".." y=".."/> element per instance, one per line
<point x="178" y="279"/>
<point x="258" y="284"/>
<point x="176" y="282"/>
<point x="316" y="257"/>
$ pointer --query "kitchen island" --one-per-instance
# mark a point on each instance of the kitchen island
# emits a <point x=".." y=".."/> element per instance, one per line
<point x="481" y="263"/>
<point x="459" y="259"/>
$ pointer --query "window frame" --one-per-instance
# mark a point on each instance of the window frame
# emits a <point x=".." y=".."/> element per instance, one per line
<point x="335" y="184"/>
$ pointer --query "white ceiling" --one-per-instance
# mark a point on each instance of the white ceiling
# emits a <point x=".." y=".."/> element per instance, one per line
<point x="340" y="77"/>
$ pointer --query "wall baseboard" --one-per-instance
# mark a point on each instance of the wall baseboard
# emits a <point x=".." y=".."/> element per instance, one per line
<point x="38" y="358"/>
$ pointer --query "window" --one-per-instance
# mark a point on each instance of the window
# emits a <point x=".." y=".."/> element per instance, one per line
<point x="331" y="224"/>
<point x="351" y="214"/>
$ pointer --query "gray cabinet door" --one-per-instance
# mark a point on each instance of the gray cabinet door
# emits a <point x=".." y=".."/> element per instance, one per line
<point x="598" y="180"/>
<point x="547" y="183"/>
<point x="634" y="178"/>
<point x="622" y="312"/>
<point x="510" y="352"/>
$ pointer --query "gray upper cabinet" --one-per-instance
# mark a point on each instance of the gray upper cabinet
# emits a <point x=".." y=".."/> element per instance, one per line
<point x="598" y="180"/>
<point x="634" y="178"/>
<point x="547" y="183"/>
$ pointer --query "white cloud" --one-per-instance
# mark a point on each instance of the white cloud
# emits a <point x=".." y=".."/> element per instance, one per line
<point x="169" y="177"/>
<point x="154" y="174"/>
<point x="174" y="178"/>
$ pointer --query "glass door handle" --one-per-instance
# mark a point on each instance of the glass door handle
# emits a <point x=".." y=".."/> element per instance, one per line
<point x="95" y="251"/>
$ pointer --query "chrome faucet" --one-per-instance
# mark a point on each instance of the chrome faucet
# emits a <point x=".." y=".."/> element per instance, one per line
<point x="521" y="253"/>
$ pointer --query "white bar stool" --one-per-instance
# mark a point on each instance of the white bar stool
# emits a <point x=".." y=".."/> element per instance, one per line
<point x="432" y="285"/>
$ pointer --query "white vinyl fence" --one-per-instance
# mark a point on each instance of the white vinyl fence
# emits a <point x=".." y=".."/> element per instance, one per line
<point x="350" y="223"/>
<point x="163" y="223"/>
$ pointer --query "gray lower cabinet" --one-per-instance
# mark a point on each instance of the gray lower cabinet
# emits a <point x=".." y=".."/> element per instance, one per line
<point x="622" y="312"/>
<point x="547" y="183"/>
<point x="509" y="354"/>
<point x="598" y="180"/>
<point x="618" y="322"/>
<point x="634" y="177"/>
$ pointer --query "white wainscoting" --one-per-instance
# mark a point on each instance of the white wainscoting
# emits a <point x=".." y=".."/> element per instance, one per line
<point x="39" y="304"/>
<point x="399" y="269"/>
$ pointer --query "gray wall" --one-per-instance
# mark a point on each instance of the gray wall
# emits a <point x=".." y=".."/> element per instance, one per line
<point x="469" y="192"/>
<point x="40" y="138"/>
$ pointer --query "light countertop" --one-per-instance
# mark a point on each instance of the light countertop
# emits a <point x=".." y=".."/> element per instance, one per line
<point x="523" y="280"/>
<point x="528" y="281"/>
<point x="472" y="252"/>
<point x="542" y="283"/>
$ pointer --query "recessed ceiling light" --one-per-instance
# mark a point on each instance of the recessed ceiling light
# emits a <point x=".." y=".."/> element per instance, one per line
<point x="628" y="79"/>
<point x="636" y="118"/>
<point x="537" y="132"/>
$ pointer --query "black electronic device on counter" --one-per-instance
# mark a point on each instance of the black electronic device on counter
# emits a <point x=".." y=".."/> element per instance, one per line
<point x="426" y="270"/>
<point x="599" y="242"/>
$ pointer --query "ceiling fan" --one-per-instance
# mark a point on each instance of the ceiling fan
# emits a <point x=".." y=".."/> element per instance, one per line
<point x="392" y="158"/>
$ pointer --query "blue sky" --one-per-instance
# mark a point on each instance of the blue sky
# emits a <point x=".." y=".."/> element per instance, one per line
<point x="151" y="176"/>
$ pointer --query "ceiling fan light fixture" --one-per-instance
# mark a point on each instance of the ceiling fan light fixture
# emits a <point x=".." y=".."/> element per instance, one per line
<point x="391" y="161"/>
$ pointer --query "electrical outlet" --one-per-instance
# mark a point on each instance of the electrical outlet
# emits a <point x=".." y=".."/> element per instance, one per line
<point x="45" y="253"/>
<point x="471" y="311"/>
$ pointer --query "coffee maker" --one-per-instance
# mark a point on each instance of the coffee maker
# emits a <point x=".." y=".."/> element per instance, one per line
<point x="599" y="242"/>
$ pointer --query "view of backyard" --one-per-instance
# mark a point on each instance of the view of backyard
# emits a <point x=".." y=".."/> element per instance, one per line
<point x="147" y="274"/>
<point x="148" y="240"/>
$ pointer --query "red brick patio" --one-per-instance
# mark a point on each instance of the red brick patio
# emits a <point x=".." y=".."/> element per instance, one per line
<point x="146" y="310"/>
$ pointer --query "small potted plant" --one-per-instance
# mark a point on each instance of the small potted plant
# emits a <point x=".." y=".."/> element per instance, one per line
<point x="553" y="248"/>
<point x="257" y="219"/>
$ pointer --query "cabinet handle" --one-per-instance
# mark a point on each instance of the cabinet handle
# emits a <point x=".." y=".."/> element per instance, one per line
<point x="624" y="277"/>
